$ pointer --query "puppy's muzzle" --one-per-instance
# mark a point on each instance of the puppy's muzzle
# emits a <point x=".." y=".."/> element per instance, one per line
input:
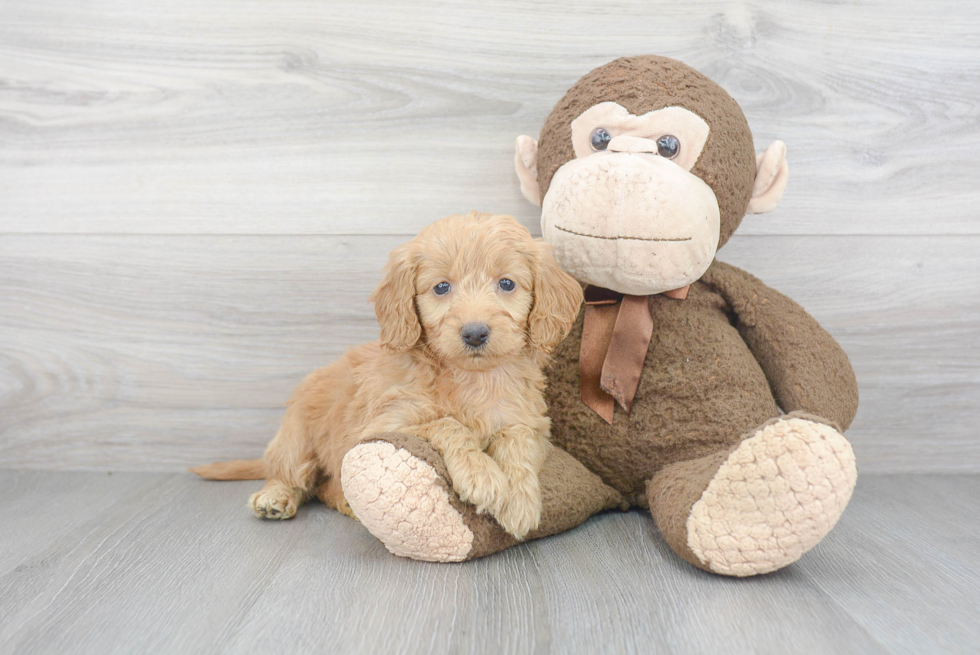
<point x="475" y="335"/>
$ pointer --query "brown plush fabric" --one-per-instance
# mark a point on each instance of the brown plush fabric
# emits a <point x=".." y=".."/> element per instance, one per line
<point x="701" y="389"/>
<point x="672" y="493"/>
<point x="647" y="83"/>
<point x="706" y="381"/>
<point x="573" y="495"/>
<point x="806" y="368"/>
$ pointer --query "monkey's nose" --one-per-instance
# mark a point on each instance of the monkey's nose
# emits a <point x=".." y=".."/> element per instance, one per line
<point x="475" y="334"/>
<point x="626" y="143"/>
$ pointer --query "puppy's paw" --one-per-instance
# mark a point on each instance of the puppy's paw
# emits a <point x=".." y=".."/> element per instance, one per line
<point x="483" y="485"/>
<point x="273" y="504"/>
<point x="346" y="510"/>
<point x="521" y="510"/>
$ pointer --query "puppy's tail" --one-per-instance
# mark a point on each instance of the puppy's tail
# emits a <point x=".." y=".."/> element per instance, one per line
<point x="236" y="469"/>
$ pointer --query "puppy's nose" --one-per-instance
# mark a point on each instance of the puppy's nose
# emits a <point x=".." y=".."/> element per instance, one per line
<point x="475" y="334"/>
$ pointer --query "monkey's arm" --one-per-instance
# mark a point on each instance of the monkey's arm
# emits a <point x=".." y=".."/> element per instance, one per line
<point x="807" y="370"/>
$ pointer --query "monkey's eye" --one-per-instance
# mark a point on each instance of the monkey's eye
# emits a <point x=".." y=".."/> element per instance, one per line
<point x="668" y="146"/>
<point x="506" y="285"/>
<point x="600" y="138"/>
<point x="441" y="289"/>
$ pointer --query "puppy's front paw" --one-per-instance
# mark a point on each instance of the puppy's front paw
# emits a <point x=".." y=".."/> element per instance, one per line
<point x="521" y="510"/>
<point x="483" y="485"/>
<point x="273" y="504"/>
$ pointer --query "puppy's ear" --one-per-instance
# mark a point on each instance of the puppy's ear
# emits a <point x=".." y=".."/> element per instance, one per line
<point x="557" y="298"/>
<point x="394" y="301"/>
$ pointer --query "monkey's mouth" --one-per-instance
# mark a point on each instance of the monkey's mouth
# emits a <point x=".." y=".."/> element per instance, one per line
<point x="618" y="238"/>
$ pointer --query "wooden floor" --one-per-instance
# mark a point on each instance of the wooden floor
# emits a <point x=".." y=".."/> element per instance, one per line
<point x="166" y="563"/>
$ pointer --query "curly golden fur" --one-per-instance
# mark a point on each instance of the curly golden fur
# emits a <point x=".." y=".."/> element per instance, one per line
<point x="482" y="407"/>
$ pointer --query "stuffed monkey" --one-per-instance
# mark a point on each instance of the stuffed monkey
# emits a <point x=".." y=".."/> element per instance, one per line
<point x="687" y="387"/>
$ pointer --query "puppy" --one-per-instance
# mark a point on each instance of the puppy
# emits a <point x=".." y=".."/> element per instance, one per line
<point x="469" y="311"/>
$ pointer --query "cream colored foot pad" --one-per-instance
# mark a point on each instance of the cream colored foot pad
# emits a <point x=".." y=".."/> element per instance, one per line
<point x="773" y="499"/>
<point x="399" y="499"/>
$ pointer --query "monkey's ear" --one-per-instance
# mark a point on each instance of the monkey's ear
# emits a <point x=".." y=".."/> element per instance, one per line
<point x="526" y="164"/>
<point x="771" y="175"/>
<point x="394" y="302"/>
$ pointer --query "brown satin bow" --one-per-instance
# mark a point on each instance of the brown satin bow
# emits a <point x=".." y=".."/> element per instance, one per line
<point x="615" y="339"/>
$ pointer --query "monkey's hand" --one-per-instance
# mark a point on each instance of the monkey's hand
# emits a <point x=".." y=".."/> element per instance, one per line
<point x="806" y="368"/>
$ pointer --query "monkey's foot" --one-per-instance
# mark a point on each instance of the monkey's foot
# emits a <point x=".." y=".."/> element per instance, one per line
<point x="763" y="504"/>
<point x="775" y="497"/>
<point x="400" y="490"/>
<point x="404" y="502"/>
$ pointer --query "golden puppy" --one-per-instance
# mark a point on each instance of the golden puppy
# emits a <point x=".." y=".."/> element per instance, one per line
<point x="469" y="311"/>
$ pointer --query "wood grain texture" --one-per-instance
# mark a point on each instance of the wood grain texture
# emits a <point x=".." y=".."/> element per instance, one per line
<point x="915" y="565"/>
<point x="151" y="352"/>
<point x="174" y="564"/>
<point x="303" y="117"/>
<point x="38" y="509"/>
<point x="196" y="197"/>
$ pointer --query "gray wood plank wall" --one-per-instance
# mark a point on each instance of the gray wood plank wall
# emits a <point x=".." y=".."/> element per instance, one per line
<point x="196" y="197"/>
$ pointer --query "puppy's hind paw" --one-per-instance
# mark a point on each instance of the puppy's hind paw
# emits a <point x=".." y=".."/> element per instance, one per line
<point x="273" y="504"/>
<point x="345" y="509"/>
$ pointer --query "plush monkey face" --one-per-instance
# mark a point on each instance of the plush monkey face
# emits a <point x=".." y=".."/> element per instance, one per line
<point x="627" y="213"/>
<point x="644" y="170"/>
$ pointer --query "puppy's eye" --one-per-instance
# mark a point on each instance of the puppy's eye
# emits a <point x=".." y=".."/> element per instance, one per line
<point x="600" y="138"/>
<point x="441" y="289"/>
<point x="506" y="285"/>
<point x="668" y="146"/>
